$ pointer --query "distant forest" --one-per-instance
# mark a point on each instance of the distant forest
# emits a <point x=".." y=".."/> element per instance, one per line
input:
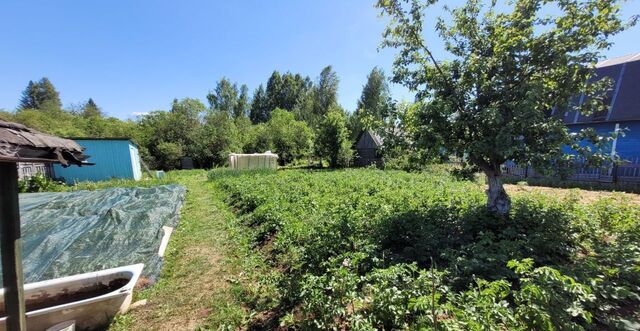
<point x="292" y="115"/>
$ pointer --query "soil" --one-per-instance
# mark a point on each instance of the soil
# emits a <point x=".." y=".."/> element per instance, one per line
<point x="585" y="196"/>
<point x="47" y="301"/>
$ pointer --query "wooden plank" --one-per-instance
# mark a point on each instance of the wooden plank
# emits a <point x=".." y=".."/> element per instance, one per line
<point x="12" y="279"/>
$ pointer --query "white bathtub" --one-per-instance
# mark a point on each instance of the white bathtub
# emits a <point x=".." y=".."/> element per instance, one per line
<point x="90" y="299"/>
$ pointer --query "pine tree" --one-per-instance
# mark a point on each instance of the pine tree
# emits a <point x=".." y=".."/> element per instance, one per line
<point x="274" y="91"/>
<point x="91" y="110"/>
<point x="259" y="111"/>
<point x="242" y="104"/>
<point x="40" y="95"/>
<point x="28" y="98"/>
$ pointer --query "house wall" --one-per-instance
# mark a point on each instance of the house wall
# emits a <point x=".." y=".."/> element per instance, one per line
<point x="28" y="169"/>
<point x="627" y="146"/>
<point x="112" y="158"/>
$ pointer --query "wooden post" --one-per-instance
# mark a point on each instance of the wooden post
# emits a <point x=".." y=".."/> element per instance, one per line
<point x="12" y="279"/>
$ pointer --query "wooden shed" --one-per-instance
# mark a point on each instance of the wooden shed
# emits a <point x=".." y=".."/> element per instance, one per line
<point x="367" y="148"/>
<point x="113" y="158"/>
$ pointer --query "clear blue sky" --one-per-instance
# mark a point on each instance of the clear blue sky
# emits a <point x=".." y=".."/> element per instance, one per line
<point x="136" y="56"/>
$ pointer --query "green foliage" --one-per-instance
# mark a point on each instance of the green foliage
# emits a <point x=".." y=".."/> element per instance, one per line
<point x="333" y="142"/>
<point x="169" y="155"/>
<point x="40" y="95"/>
<point x="225" y="97"/>
<point x="259" y="112"/>
<point x="218" y="137"/>
<point x="506" y="69"/>
<point x="290" y="139"/>
<point x="274" y="90"/>
<point x="325" y="94"/>
<point x="91" y="110"/>
<point x="374" y="104"/>
<point x="181" y="127"/>
<point x="242" y="105"/>
<point x="291" y="92"/>
<point x="39" y="183"/>
<point x="371" y="249"/>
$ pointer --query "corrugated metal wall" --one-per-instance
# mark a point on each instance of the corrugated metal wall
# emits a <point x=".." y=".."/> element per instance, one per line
<point x="627" y="147"/>
<point x="112" y="158"/>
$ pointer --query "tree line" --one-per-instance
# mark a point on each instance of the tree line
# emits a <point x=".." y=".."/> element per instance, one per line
<point x="292" y="115"/>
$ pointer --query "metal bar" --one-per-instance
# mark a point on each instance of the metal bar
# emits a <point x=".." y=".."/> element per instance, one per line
<point x="11" y="245"/>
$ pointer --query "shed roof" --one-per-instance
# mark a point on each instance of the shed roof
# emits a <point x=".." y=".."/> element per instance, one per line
<point x="366" y="137"/>
<point x="99" y="138"/>
<point x="105" y="138"/>
<point x="624" y="96"/>
<point x="19" y="143"/>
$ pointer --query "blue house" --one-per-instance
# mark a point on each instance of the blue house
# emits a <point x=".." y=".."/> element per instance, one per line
<point x="112" y="158"/>
<point x="623" y="113"/>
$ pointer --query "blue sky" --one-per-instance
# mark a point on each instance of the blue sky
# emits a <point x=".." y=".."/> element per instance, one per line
<point x="134" y="56"/>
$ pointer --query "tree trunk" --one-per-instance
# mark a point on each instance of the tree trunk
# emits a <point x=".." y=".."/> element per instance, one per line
<point x="497" y="199"/>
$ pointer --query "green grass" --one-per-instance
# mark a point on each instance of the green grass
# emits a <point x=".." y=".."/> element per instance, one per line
<point x="204" y="267"/>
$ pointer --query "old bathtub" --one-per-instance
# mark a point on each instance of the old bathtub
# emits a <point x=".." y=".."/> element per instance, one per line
<point x="91" y="300"/>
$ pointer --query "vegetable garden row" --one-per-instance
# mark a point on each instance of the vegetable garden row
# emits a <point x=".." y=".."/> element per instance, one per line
<point x="370" y="249"/>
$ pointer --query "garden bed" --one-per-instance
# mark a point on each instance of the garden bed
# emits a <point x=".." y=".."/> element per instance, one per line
<point x="371" y="249"/>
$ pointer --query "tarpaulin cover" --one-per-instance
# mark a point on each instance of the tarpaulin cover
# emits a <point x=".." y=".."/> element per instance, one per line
<point x="76" y="232"/>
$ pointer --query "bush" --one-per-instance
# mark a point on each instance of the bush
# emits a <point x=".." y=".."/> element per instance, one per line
<point x="291" y="139"/>
<point x="39" y="183"/>
<point x="169" y="155"/>
<point x="332" y="141"/>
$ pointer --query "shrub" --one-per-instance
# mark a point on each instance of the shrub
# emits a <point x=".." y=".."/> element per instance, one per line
<point x="332" y="141"/>
<point x="169" y="155"/>
<point x="39" y="183"/>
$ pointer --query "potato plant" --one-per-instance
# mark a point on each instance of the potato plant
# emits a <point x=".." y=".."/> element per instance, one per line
<point x="370" y="249"/>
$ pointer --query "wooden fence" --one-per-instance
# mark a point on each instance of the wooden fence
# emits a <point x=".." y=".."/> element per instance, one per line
<point x="625" y="172"/>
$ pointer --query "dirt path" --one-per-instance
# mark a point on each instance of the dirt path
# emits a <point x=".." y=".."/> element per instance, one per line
<point x="585" y="196"/>
<point x="193" y="291"/>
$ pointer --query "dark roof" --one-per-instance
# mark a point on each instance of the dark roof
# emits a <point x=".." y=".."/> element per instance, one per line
<point x="19" y="143"/>
<point x="368" y="139"/>
<point x="624" y="96"/>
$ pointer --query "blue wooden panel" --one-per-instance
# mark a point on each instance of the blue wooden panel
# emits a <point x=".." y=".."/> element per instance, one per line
<point x="112" y="159"/>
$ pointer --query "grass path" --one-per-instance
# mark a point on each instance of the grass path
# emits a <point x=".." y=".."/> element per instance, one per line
<point x="204" y="252"/>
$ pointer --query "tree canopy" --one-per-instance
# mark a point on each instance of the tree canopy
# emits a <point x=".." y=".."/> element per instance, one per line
<point x="40" y="95"/>
<point x="374" y="104"/>
<point x="505" y="70"/>
<point x="325" y="93"/>
<point x="290" y="117"/>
